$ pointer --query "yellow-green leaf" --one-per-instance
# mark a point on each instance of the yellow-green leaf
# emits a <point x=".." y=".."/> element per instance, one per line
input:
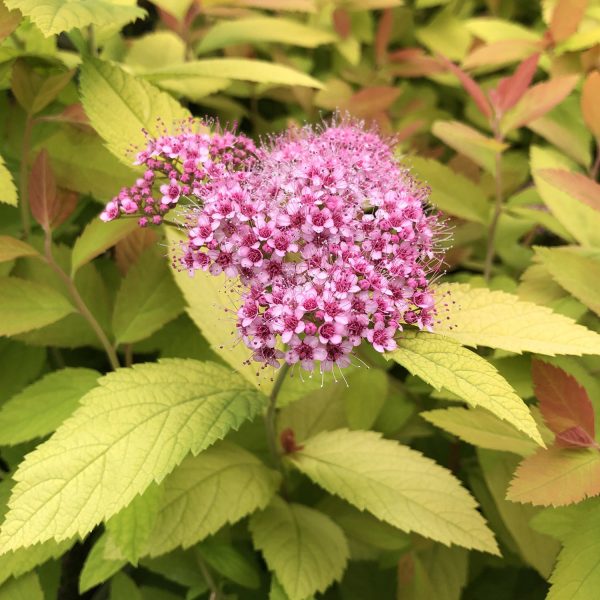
<point x="11" y="248"/>
<point x="8" y="191"/>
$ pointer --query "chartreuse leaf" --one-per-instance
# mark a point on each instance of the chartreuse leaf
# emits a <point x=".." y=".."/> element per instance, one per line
<point x="207" y="302"/>
<point x="480" y="428"/>
<point x="560" y="522"/>
<point x="364" y="397"/>
<point x="305" y="549"/>
<point x="452" y="192"/>
<point x="482" y="317"/>
<point x="41" y="407"/>
<point x="537" y="549"/>
<point x="575" y="270"/>
<point x="122" y="586"/>
<point x="8" y="191"/>
<point x="143" y="421"/>
<point x="222" y="485"/>
<point x="444" y="363"/>
<point x="25" y="305"/>
<point x="11" y="248"/>
<point x="262" y="30"/>
<point x="97" y="568"/>
<point x="26" y="587"/>
<point x="147" y="299"/>
<point x="224" y="558"/>
<point x="120" y="106"/>
<point x="55" y="16"/>
<point x="577" y="572"/>
<point x="396" y="484"/>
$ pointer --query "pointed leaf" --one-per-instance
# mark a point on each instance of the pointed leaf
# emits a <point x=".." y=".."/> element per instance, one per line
<point x="396" y="484"/>
<point x="511" y="89"/>
<point x="11" y="248"/>
<point x="566" y="16"/>
<point x="575" y="437"/>
<point x="303" y="547"/>
<point x="578" y="186"/>
<point x="482" y="317"/>
<point x="26" y="587"/>
<point x="97" y="569"/>
<point x="8" y="191"/>
<point x="68" y="485"/>
<point x="42" y="191"/>
<point x="589" y="102"/>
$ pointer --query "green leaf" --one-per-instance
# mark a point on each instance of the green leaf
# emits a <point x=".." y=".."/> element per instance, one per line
<point x="26" y="305"/>
<point x="55" y="16"/>
<point x="450" y="191"/>
<point x="8" y="193"/>
<point x="482" y="317"/>
<point x="445" y="34"/>
<point x="235" y="68"/>
<point x="98" y="237"/>
<point x="364" y="397"/>
<point x="577" y="572"/>
<point x="11" y="248"/>
<point x="122" y="586"/>
<point x="537" y="549"/>
<point x="262" y="30"/>
<point x="128" y="531"/>
<point x="396" y="484"/>
<point x="220" y="486"/>
<point x="560" y="522"/>
<point x="303" y="547"/>
<point x="26" y="587"/>
<point x="143" y="422"/>
<point x="40" y="408"/>
<point x="97" y="569"/>
<point x="575" y="270"/>
<point x="480" y="428"/>
<point x="120" y="106"/>
<point x="229" y="562"/>
<point x="147" y="299"/>
<point x="444" y="363"/>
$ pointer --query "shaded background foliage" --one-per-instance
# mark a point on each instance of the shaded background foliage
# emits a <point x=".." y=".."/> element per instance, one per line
<point x="495" y="104"/>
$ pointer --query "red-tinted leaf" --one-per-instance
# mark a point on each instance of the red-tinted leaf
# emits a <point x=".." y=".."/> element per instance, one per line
<point x="590" y="102"/>
<point x="413" y="62"/>
<point x="471" y="87"/>
<point x="575" y="437"/>
<point x="566" y="18"/>
<point x="342" y="22"/>
<point x="370" y="101"/>
<point x="383" y="35"/>
<point x="511" y="89"/>
<point x="66" y="201"/>
<point x="576" y="185"/>
<point x="563" y="402"/>
<point x="42" y="191"/>
<point x="538" y="100"/>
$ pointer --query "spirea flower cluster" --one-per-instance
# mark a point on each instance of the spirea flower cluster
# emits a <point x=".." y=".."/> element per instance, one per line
<point x="328" y="236"/>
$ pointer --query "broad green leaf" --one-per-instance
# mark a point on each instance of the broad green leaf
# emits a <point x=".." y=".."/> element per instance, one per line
<point x="128" y="531"/>
<point x="120" y="107"/>
<point x="496" y="30"/>
<point x="179" y="566"/>
<point x="445" y="34"/>
<point x="26" y="587"/>
<point x="303" y="547"/>
<point x="364" y="397"/>
<point x="396" y="484"/>
<point x="19" y="365"/>
<point x="207" y="302"/>
<point x="8" y="191"/>
<point x="556" y="477"/>
<point x="147" y="299"/>
<point x="480" y="428"/>
<point x="122" y="587"/>
<point x="577" y="572"/>
<point x="11" y="248"/>
<point x="26" y="305"/>
<point x="444" y="363"/>
<point x="98" y="237"/>
<point x="235" y="68"/>
<point x="576" y="271"/>
<point x="55" y="16"/>
<point x="143" y="421"/>
<point x="225" y="559"/>
<point x="560" y="522"/>
<point x="262" y="30"/>
<point x="450" y="191"/>
<point x="579" y="219"/>
<point x="220" y="486"/>
<point x="40" y="408"/>
<point x="537" y="549"/>
<point x="482" y="317"/>
<point x="156" y="49"/>
<point x="468" y="141"/>
<point x="97" y="569"/>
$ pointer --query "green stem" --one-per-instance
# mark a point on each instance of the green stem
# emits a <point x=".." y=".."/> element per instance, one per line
<point x="80" y="304"/>
<point x="271" y="416"/>
<point x="491" y="242"/>
<point x="23" y="177"/>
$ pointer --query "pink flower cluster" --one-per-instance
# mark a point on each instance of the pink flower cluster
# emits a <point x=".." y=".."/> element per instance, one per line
<point x="329" y="239"/>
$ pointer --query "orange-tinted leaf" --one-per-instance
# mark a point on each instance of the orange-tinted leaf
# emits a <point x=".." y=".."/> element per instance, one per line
<point x="575" y="184"/>
<point x="130" y="248"/>
<point x="342" y="22"/>
<point x="511" y="89"/>
<point x="556" y="477"/>
<point x="413" y="62"/>
<point x="471" y="87"/>
<point x="383" y="35"/>
<point x="563" y="402"/>
<point x="370" y="101"/>
<point x="566" y="18"/>
<point x="42" y="191"/>
<point x="590" y="102"/>
<point x="9" y="20"/>
<point x="66" y="201"/>
<point x="575" y="437"/>
<point x="73" y="115"/>
<point x="502" y="52"/>
<point x="538" y="100"/>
